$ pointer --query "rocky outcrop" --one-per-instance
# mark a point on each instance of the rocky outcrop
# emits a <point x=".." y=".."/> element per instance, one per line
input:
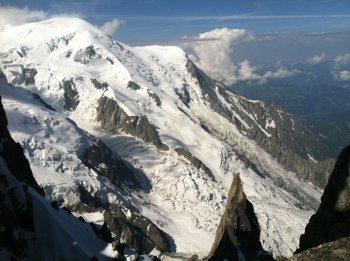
<point x="133" y="85"/>
<point x="112" y="118"/>
<point x="29" y="74"/>
<point x="335" y="250"/>
<point x="102" y="232"/>
<point x="84" y="56"/>
<point x="127" y="226"/>
<point x="332" y="220"/>
<point x="99" y="85"/>
<point x="70" y="95"/>
<point x="135" y="230"/>
<point x="281" y="135"/>
<point x="38" y="98"/>
<point x="110" y="60"/>
<point x="198" y="164"/>
<point x="184" y="94"/>
<point x="237" y="236"/>
<point x="155" y="97"/>
<point x="107" y="164"/>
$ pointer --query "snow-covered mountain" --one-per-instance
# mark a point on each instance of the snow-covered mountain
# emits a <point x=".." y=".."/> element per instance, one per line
<point x="142" y="139"/>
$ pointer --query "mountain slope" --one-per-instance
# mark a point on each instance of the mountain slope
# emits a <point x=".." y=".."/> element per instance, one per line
<point x="78" y="171"/>
<point x="184" y="135"/>
<point x="30" y="227"/>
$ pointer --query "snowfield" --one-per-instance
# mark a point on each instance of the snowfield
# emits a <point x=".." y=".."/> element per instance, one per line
<point x="184" y="201"/>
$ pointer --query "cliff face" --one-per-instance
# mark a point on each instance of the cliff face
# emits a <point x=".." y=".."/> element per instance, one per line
<point x="332" y="220"/>
<point x="113" y="118"/>
<point x="12" y="153"/>
<point x="15" y="216"/>
<point x="237" y="236"/>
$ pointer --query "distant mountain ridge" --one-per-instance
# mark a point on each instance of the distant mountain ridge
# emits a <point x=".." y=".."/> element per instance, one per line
<point x="324" y="107"/>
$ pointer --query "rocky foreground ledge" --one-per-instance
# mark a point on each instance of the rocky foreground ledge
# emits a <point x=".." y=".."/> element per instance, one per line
<point x="327" y="235"/>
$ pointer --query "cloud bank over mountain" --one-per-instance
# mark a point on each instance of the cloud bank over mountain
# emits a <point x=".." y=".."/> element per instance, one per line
<point x="10" y="15"/>
<point x="236" y="55"/>
<point x="214" y="52"/>
<point x="111" y="27"/>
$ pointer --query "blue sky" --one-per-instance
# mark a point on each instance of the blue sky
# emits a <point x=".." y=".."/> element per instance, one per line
<point x="232" y="41"/>
<point x="148" y="21"/>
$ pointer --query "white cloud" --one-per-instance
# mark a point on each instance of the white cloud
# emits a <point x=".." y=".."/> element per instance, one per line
<point x="213" y="51"/>
<point x="342" y="75"/>
<point x="246" y="72"/>
<point x="111" y="27"/>
<point x="279" y="74"/>
<point x="10" y="15"/>
<point x="317" y="58"/>
<point x="342" y="59"/>
<point x="15" y="16"/>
